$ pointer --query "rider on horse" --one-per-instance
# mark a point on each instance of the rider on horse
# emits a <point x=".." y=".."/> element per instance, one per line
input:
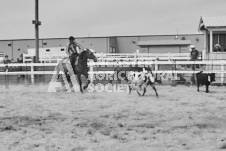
<point x="72" y="50"/>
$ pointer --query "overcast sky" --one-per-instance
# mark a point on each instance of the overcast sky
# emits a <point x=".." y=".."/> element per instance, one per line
<point x="83" y="18"/>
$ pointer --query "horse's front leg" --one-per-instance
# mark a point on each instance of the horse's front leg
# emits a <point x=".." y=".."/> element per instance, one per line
<point x="80" y="83"/>
<point x="88" y="81"/>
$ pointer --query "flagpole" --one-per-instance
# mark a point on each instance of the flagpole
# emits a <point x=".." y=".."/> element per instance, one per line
<point x="37" y="24"/>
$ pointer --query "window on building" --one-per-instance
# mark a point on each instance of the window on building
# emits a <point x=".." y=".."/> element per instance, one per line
<point x="222" y="42"/>
<point x="47" y="50"/>
<point x="62" y="49"/>
<point x="112" y="50"/>
<point x="218" y="39"/>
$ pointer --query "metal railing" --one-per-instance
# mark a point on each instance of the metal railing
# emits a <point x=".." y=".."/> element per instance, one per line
<point x="117" y="57"/>
<point x="92" y="65"/>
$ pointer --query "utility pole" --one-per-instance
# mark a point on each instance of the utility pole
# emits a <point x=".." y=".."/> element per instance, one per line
<point x="37" y="24"/>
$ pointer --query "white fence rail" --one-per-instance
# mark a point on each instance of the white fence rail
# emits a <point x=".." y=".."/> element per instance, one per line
<point x="27" y="58"/>
<point x="155" y="63"/>
<point x="117" y="57"/>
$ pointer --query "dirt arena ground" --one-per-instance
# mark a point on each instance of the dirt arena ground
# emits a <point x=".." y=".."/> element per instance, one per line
<point x="32" y="119"/>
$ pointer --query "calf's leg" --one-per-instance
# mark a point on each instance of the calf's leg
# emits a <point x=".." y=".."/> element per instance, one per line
<point x="138" y="93"/>
<point x="207" y="88"/>
<point x="130" y="89"/>
<point x="144" y="91"/>
<point x="198" y="87"/>
<point x="156" y="93"/>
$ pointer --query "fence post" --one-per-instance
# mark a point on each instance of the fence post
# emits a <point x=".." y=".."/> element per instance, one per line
<point x="6" y="77"/>
<point x="91" y="72"/>
<point x="32" y="73"/>
<point x="102" y="56"/>
<point x="169" y="56"/>
<point x="135" y="57"/>
<point x="156" y="65"/>
<point x="222" y="70"/>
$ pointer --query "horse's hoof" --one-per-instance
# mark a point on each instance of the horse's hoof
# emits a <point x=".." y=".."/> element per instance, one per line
<point x="85" y="87"/>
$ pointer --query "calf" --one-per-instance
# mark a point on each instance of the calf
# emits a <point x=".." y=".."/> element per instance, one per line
<point x="140" y="80"/>
<point x="204" y="79"/>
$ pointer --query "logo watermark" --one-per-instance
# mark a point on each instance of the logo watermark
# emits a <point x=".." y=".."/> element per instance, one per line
<point x="56" y="84"/>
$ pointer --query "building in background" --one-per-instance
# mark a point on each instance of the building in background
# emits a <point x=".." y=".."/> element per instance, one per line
<point x="117" y="44"/>
<point x="164" y="46"/>
<point x="214" y="30"/>
<point x="211" y="41"/>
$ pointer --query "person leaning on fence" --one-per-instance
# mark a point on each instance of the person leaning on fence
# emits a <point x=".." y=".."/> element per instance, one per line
<point x="6" y="61"/>
<point x="194" y="54"/>
<point x="72" y="50"/>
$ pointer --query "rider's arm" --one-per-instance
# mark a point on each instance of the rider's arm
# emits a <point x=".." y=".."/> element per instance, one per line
<point x="77" y="49"/>
<point x="80" y="46"/>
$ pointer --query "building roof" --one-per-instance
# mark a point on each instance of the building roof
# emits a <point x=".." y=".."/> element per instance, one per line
<point x="164" y="42"/>
<point x="212" y="22"/>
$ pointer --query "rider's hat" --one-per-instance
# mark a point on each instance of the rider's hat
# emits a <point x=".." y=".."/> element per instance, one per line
<point x="192" y="46"/>
<point x="93" y="51"/>
<point x="71" y="38"/>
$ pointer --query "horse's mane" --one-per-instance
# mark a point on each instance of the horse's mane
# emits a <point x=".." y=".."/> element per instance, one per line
<point x="82" y="55"/>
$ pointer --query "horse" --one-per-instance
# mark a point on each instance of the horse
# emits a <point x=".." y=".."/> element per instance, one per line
<point x="80" y="69"/>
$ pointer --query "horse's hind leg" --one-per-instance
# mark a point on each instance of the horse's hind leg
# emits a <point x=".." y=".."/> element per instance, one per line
<point x="80" y="83"/>
<point x="156" y="93"/>
<point x="58" y="70"/>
